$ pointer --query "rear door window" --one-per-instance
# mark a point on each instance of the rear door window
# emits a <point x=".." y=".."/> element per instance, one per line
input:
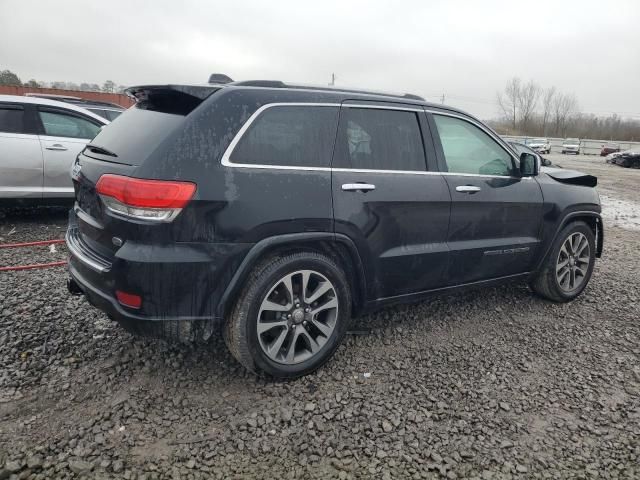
<point x="12" y="119"/>
<point x="468" y="149"/>
<point x="60" y="124"/>
<point x="295" y="136"/>
<point x="377" y="139"/>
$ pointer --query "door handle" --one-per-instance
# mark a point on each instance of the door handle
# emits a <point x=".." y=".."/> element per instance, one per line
<point x="358" y="187"/>
<point x="56" y="146"/>
<point x="467" y="189"/>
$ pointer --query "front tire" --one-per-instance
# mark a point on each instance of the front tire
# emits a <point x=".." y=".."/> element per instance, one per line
<point x="291" y="316"/>
<point x="567" y="269"/>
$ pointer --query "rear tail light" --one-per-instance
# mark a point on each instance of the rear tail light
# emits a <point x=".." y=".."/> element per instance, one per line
<point x="154" y="200"/>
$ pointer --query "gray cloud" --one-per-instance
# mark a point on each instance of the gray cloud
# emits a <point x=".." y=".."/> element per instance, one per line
<point x="466" y="50"/>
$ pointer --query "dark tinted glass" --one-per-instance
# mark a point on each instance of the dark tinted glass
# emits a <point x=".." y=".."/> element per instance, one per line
<point x="11" y="119"/>
<point x="379" y="140"/>
<point x="293" y="136"/>
<point x="137" y="133"/>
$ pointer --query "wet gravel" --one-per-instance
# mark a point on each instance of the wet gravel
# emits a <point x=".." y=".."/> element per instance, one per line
<point x="490" y="384"/>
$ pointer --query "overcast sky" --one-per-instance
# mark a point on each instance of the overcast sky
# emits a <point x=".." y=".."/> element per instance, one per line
<point x="466" y="50"/>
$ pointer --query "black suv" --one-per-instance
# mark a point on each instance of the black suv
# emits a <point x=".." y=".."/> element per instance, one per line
<point x="284" y="211"/>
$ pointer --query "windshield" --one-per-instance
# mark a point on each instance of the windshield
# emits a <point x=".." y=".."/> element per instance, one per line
<point x="571" y="141"/>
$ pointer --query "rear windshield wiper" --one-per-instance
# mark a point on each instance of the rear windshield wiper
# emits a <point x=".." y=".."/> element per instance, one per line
<point x="100" y="150"/>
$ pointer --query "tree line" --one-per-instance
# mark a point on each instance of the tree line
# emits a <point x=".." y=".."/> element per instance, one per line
<point x="7" y="77"/>
<point x="531" y="110"/>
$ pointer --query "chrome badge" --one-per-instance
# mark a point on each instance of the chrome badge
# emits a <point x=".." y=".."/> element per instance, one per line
<point x="75" y="170"/>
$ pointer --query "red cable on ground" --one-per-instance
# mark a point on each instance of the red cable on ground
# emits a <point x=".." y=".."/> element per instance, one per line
<point x="31" y="267"/>
<point x="35" y="265"/>
<point x="31" y="244"/>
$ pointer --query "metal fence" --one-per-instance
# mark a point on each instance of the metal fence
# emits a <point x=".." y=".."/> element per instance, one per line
<point x="587" y="146"/>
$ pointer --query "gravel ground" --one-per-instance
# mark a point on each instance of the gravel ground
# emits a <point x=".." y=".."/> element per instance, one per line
<point x="491" y="384"/>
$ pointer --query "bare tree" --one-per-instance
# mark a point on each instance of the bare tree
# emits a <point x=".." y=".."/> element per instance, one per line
<point x="109" y="86"/>
<point x="527" y="102"/>
<point x="547" y="107"/>
<point x="508" y="100"/>
<point x="564" y="105"/>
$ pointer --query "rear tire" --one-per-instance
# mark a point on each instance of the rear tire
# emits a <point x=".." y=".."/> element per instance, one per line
<point x="567" y="269"/>
<point x="291" y="316"/>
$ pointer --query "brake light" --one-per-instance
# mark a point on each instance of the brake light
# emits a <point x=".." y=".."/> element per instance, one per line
<point x="155" y="200"/>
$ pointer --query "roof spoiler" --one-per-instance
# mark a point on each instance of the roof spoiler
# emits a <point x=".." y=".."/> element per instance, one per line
<point x="219" y="78"/>
<point x="175" y="99"/>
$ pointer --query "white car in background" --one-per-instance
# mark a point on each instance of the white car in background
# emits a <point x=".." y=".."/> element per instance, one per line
<point x="571" y="145"/>
<point x="108" y="111"/>
<point x="540" y="145"/>
<point x="39" y="141"/>
<point x="612" y="156"/>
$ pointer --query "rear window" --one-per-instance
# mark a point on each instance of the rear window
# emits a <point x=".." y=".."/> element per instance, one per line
<point x="300" y="136"/>
<point x="11" y="119"/>
<point x="372" y="139"/>
<point x="136" y="134"/>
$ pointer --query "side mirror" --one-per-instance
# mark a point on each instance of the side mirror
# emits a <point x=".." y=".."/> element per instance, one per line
<point x="529" y="166"/>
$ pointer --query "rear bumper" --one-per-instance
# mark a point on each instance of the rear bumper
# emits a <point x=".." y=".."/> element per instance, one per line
<point x="178" y="283"/>
<point x="136" y="324"/>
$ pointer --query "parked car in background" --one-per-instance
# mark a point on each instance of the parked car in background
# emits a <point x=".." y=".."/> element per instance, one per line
<point x="540" y="145"/>
<point x="571" y="145"/>
<point x="283" y="211"/>
<point x="521" y="148"/>
<point x="628" y="159"/>
<point x="609" y="148"/>
<point x="612" y="156"/>
<point x="39" y="140"/>
<point x="108" y="111"/>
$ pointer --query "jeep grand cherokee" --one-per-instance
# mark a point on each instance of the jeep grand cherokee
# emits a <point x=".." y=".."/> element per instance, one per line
<point x="284" y="211"/>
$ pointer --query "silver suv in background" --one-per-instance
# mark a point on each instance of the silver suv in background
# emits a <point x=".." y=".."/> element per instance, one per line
<point x="540" y="145"/>
<point x="571" y="145"/>
<point x="108" y="111"/>
<point x="39" y="141"/>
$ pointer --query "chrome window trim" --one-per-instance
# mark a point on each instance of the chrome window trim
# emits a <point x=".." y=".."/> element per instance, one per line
<point x="350" y="104"/>
<point x="226" y="157"/>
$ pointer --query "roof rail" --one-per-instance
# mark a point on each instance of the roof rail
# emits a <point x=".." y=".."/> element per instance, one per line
<point x="280" y="84"/>
<point x="261" y="83"/>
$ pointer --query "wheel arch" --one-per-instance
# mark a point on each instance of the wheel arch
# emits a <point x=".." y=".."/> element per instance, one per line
<point x="591" y="218"/>
<point x="337" y="246"/>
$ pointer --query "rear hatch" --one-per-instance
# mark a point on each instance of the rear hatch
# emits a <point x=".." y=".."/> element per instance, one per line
<point x="120" y="149"/>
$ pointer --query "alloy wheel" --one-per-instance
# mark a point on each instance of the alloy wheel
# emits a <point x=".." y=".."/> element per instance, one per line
<point x="573" y="262"/>
<point x="297" y="317"/>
